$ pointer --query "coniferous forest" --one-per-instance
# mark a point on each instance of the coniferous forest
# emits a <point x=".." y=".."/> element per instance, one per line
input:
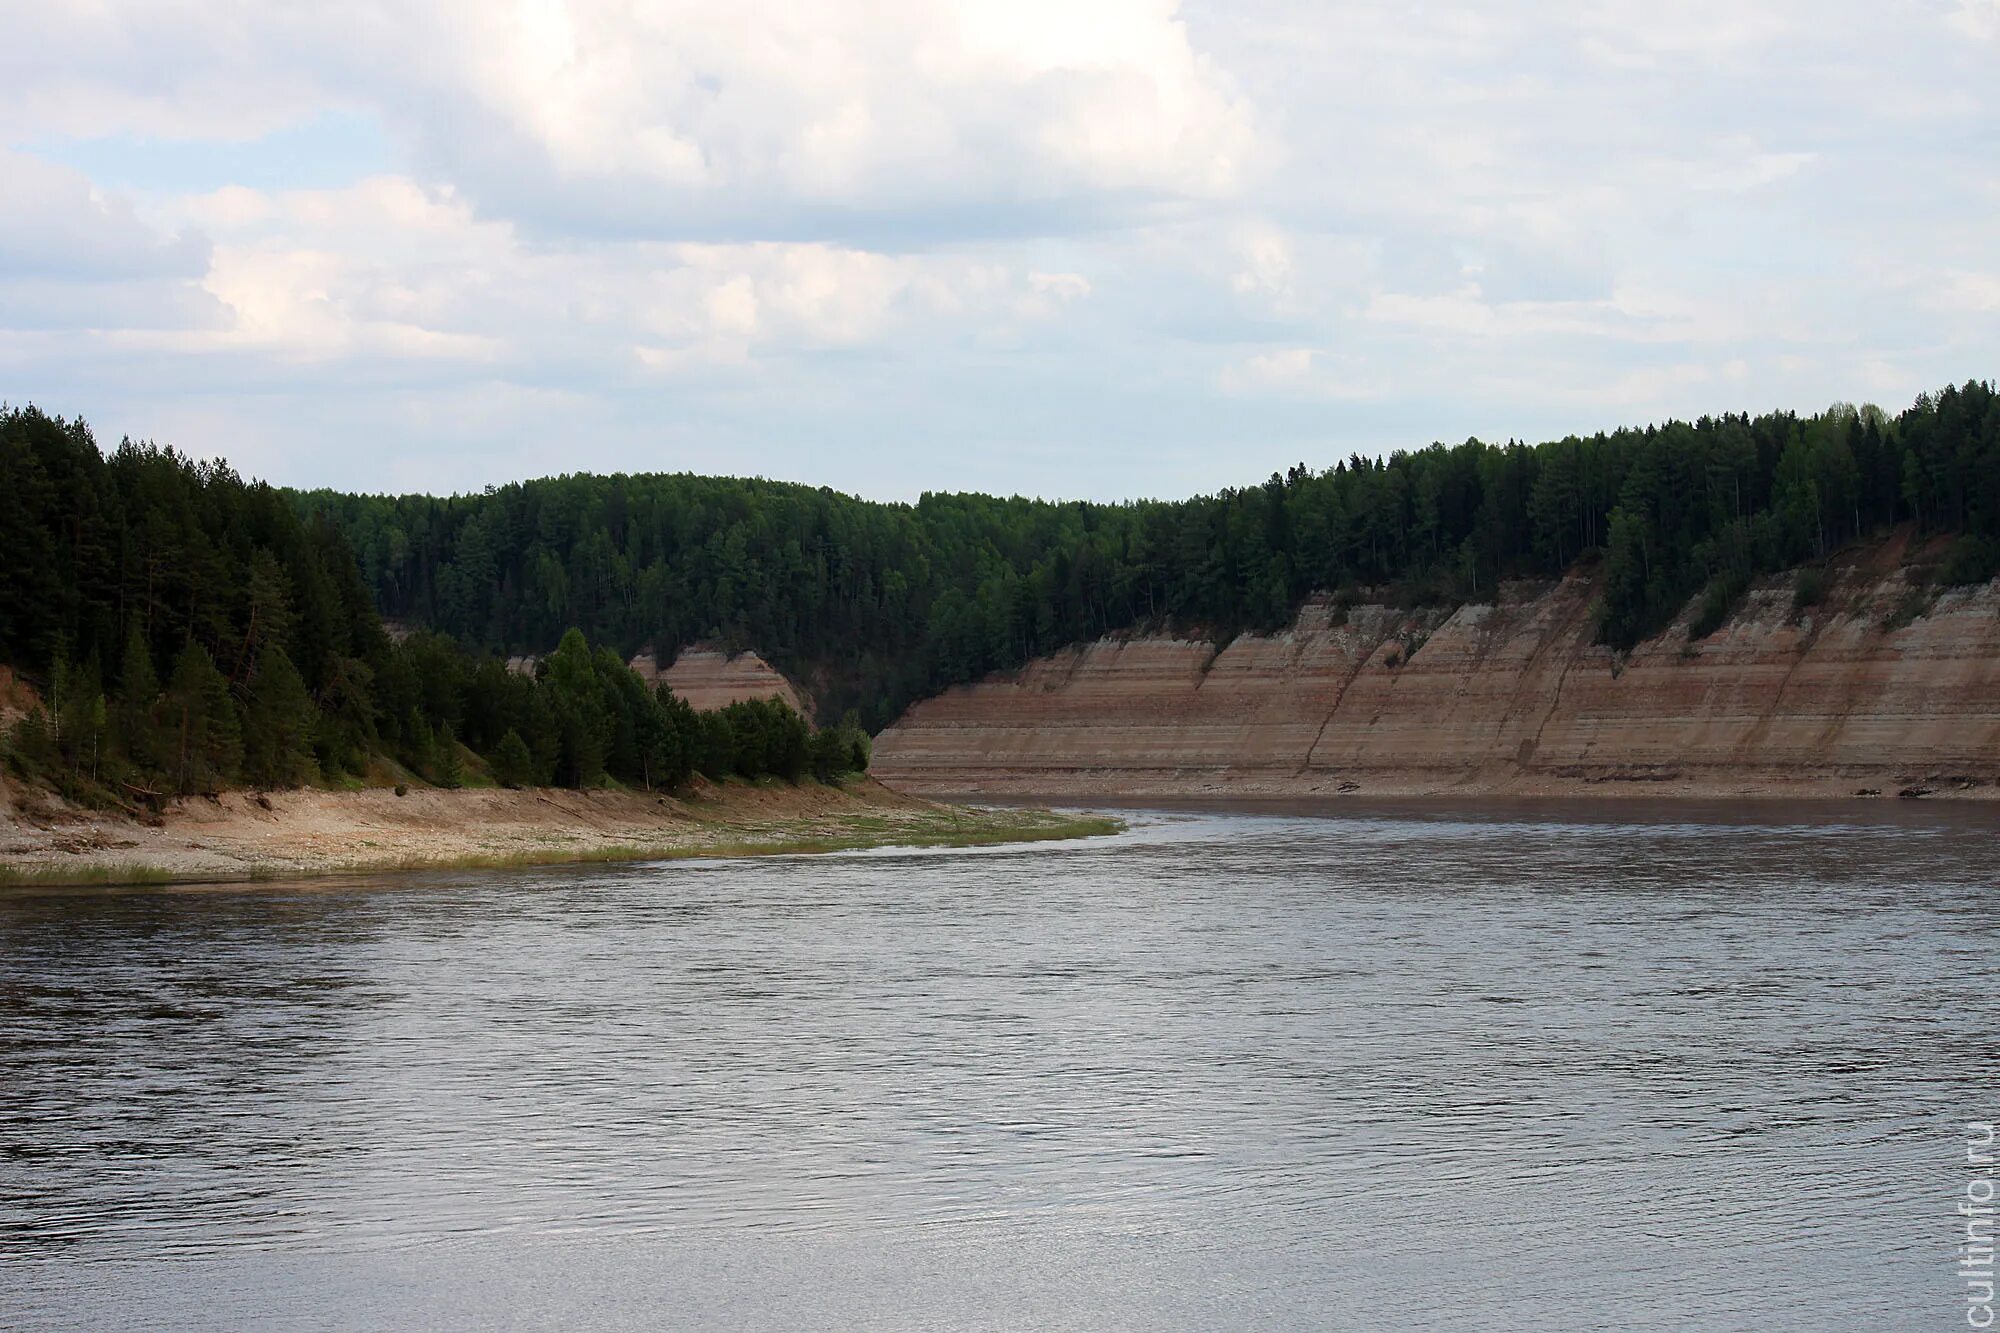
<point x="192" y="630"/>
<point x="874" y="605"/>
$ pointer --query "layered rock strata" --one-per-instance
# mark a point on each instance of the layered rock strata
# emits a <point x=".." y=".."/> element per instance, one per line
<point x="709" y="677"/>
<point x="1512" y="696"/>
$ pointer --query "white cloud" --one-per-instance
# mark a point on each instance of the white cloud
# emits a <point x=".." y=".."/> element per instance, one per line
<point x="1279" y="368"/>
<point x="1119" y="246"/>
<point x="385" y="269"/>
<point x="1965" y="291"/>
<point x="1635" y="34"/>
<point x="1265" y="255"/>
<point x="1300" y="373"/>
<point x="688" y="118"/>
<point x="1979" y="19"/>
<point x="56" y="223"/>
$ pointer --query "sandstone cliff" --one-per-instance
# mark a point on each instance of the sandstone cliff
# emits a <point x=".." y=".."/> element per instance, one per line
<point x="1506" y="697"/>
<point x="708" y="677"/>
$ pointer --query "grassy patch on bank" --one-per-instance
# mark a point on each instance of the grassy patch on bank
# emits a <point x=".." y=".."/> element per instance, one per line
<point x="917" y="829"/>
<point x="946" y="833"/>
<point x="43" y="874"/>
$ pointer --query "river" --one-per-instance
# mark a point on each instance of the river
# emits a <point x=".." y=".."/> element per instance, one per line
<point x="1531" y="1066"/>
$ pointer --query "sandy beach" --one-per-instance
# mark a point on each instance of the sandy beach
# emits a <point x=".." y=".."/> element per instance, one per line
<point x="261" y="835"/>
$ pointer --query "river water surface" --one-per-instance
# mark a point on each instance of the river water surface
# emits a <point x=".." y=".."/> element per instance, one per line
<point x="1367" y="1067"/>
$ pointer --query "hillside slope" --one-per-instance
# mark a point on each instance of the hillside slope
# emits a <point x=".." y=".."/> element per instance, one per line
<point x="1511" y="696"/>
<point x="709" y="676"/>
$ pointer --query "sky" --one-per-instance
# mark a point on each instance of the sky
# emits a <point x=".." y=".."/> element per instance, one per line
<point x="1088" y="248"/>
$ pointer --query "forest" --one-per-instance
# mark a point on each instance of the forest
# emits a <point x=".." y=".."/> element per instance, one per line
<point x="191" y="632"/>
<point x="874" y="605"/>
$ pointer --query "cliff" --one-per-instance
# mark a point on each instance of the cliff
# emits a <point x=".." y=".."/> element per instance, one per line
<point x="708" y="677"/>
<point x="17" y="698"/>
<point x="1511" y="696"/>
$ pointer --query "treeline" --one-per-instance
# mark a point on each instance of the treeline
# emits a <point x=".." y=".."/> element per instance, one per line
<point x="873" y="605"/>
<point x="193" y="632"/>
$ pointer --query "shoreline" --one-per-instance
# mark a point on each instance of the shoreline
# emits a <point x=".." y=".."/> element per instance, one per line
<point x="1087" y="784"/>
<point x="247" y="837"/>
<point x="251" y="837"/>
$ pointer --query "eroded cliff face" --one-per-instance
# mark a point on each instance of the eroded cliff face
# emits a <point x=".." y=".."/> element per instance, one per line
<point x="1506" y="697"/>
<point x="708" y="677"/>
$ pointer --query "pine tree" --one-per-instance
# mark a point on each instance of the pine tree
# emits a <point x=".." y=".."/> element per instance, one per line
<point x="268" y="597"/>
<point x="92" y="719"/>
<point x="278" y="724"/>
<point x="513" y="766"/>
<point x="858" y="749"/>
<point x="675" y="740"/>
<point x="77" y="719"/>
<point x="450" y="769"/>
<point x="56" y="702"/>
<point x="135" y="728"/>
<point x="208" y="736"/>
<point x="829" y="755"/>
<point x="715" y="754"/>
<point x="31" y="745"/>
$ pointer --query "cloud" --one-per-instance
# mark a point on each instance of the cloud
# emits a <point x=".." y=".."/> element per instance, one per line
<point x="1299" y="373"/>
<point x="1961" y="291"/>
<point x="1117" y="247"/>
<point x="388" y="271"/>
<point x="685" y="119"/>
<point x="772" y="119"/>
<point x="1265" y="256"/>
<point x="1979" y="19"/>
<point x="1281" y="370"/>
<point x="73" y="257"/>
<point x="1632" y="34"/>
<point x="57" y="225"/>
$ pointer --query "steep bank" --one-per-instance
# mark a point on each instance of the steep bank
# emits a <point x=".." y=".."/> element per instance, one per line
<point x="1507" y="697"/>
<point x="710" y="677"/>
<point x="243" y="835"/>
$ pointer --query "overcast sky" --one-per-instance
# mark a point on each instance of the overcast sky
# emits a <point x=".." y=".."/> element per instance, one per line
<point x="1095" y="248"/>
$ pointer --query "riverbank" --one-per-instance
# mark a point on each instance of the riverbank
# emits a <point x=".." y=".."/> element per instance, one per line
<point x="1878" y="683"/>
<point x="1115" y="786"/>
<point x="249" y="836"/>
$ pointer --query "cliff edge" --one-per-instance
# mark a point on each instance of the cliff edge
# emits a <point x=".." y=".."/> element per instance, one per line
<point x="709" y="676"/>
<point x="1881" y="687"/>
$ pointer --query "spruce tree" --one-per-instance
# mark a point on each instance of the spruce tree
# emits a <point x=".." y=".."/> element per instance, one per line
<point x="828" y="752"/>
<point x="278" y="724"/>
<point x="513" y="766"/>
<point x="450" y="770"/>
<point x="208" y="736"/>
<point x="715" y="753"/>
<point x="135" y="728"/>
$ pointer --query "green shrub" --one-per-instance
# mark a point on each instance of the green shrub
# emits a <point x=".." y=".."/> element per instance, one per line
<point x="1718" y="602"/>
<point x="1810" y="590"/>
<point x="1970" y="560"/>
<point x="1914" y="602"/>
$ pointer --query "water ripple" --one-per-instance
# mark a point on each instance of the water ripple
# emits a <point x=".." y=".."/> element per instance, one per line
<point x="1524" y="1069"/>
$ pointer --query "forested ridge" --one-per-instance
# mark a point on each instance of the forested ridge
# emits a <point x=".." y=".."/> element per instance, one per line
<point x="191" y="631"/>
<point x="874" y="605"/>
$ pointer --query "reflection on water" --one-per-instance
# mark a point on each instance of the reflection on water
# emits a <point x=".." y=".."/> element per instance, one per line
<point x="1502" y="1066"/>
